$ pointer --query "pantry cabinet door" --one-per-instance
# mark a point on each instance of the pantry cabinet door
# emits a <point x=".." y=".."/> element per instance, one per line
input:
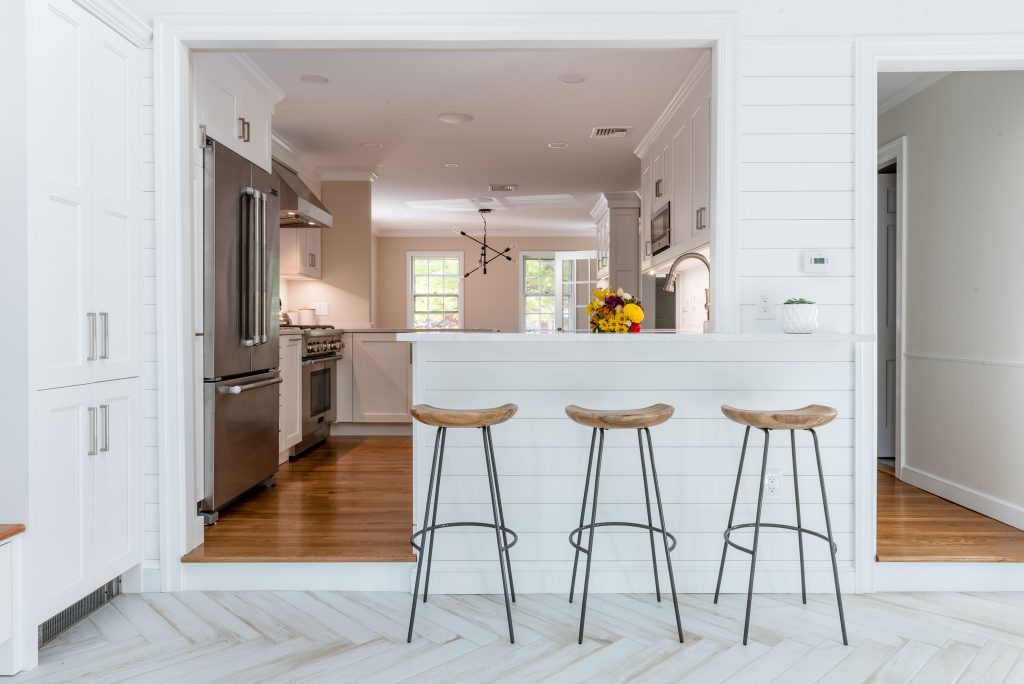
<point x="60" y="236"/>
<point x="118" y="477"/>
<point x="116" y="244"/>
<point x="60" y="544"/>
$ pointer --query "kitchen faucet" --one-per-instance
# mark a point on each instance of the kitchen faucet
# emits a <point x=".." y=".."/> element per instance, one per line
<point x="670" y="281"/>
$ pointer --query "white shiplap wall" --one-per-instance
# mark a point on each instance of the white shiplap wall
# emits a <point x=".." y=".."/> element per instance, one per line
<point x="151" y="497"/>
<point x="796" y="175"/>
<point x="542" y="456"/>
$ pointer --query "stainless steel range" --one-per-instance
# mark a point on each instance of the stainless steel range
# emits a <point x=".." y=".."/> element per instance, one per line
<point x="323" y="347"/>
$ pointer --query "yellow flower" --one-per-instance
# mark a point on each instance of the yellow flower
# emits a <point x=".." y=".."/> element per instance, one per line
<point x="633" y="312"/>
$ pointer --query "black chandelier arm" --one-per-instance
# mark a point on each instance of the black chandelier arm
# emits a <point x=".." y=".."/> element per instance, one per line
<point x="484" y="244"/>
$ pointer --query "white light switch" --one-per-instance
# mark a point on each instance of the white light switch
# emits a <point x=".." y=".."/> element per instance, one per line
<point x="320" y="307"/>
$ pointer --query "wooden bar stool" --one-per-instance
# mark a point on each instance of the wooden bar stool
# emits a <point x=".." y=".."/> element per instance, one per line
<point x="807" y="418"/>
<point x="483" y="419"/>
<point x="641" y="420"/>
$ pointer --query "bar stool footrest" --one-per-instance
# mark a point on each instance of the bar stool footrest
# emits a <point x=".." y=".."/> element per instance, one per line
<point x="779" y="526"/>
<point x="578" y="544"/>
<point x="491" y="526"/>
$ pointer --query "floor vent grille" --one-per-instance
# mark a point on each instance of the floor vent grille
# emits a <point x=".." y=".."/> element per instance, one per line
<point x="77" y="612"/>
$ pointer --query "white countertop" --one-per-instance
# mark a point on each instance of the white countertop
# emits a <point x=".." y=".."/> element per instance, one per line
<point x="637" y="338"/>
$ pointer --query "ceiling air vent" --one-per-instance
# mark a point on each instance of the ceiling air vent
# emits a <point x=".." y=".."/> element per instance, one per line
<point x="610" y="132"/>
<point x="503" y="187"/>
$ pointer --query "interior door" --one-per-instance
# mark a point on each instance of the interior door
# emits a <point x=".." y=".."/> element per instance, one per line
<point x="115" y="228"/>
<point x="118" y="477"/>
<point x="61" y="316"/>
<point x="575" y="280"/>
<point x="887" y="315"/>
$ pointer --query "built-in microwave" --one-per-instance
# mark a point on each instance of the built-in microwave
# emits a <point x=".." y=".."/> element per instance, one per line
<point x="661" y="229"/>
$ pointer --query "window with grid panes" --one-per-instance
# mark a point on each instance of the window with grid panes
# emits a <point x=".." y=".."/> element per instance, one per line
<point x="538" y="294"/>
<point x="436" y="294"/>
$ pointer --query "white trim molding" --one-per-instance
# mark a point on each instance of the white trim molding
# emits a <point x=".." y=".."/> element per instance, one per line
<point x="910" y="90"/>
<point x="117" y="17"/>
<point x="986" y="504"/>
<point x="256" y="76"/>
<point x="689" y="83"/>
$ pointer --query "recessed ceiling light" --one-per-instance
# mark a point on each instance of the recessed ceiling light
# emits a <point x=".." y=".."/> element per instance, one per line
<point x="558" y="145"/>
<point x="455" y="117"/>
<point x="370" y="145"/>
<point x="314" y="79"/>
<point x="572" y="79"/>
<point x="451" y="165"/>
<point x="312" y="223"/>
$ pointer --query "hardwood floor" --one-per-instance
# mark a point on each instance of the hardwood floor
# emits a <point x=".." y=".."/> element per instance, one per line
<point x="294" y="636"/>
<point x="914" y="525"/>
<point x="348" y="500"/>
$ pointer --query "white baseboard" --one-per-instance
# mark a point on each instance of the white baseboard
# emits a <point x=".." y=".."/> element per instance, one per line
<point x="1001" y="510"/>
<point x="150" y="575"/>
<point x="948" y="577"/>
<point x="296" y="576"/>
<point x="371" y="430"/>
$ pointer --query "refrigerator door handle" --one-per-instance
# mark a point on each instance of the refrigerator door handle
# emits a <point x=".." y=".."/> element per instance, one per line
<point x="263" y="270"/>
<point x="248" y="247"/>
<point x="238" y="389"/>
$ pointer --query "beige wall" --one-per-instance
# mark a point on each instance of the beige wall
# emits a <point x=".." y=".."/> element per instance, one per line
<point x="964" y="320"/>
<point x="491" y="301"/>
<point x="347" y="256"/>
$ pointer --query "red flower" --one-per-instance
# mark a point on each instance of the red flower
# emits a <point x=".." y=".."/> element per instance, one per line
<point x="635" y="328"/>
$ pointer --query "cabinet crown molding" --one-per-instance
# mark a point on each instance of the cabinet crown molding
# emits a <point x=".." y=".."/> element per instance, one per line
<point x="696" y="73"/>
<point x="628" y="199"/>
<point x="117" y="17"/>
<point x="256" y="76"/>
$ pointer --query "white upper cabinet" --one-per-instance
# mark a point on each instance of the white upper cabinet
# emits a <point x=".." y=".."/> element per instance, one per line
<point x="235" y="101"/>
<point x="675" y="166"/>
<point x="84" y="240"/>
<point x="300" y="253"/>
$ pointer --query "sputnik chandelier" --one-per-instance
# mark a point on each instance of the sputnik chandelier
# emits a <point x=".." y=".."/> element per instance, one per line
<point x="485" y="249"/>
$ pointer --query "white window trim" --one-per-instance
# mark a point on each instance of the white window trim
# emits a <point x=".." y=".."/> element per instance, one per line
<point x="409" y="256"/>
<point x="523" y="256"/>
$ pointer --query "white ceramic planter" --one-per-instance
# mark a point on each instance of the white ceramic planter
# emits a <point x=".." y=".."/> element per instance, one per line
<point x="799" y="318"/>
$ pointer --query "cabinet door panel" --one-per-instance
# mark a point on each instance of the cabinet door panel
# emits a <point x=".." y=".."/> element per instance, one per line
<point x="311" y="266"/>
<point x="682" y="213"/>
<point x="60" y="239"/>
<point x="646" y="198"/>
<point x="257" y="112"/>
<point x="116" y="242"/>
<point x="380" y="369"/>
<point x="700" y="168"/>
<point x="291" y="392"/>
<point x="61" y="507"/>
<point x="219" y="100"/>
<point x="118" y="477"/>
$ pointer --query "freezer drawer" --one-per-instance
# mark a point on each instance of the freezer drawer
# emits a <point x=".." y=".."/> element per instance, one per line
<point x="241" y="425"/>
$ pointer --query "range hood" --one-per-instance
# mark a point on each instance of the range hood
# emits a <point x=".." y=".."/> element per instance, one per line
<point x="300" y="208"/>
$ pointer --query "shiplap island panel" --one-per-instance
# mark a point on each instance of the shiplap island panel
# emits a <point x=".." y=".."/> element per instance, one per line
<point x="542" y="455"/>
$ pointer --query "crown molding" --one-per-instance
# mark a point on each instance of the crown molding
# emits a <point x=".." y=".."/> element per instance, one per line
<point x="600" y="208"/>
<point x="506" y="233"/>
<point x="702" y="66"/>
<point x="114" y="15"/>
<point x="349" y="175"/>
<point x="910" y="90"/>
<point x="256" y="75"/>
<point x="625" y="199"/>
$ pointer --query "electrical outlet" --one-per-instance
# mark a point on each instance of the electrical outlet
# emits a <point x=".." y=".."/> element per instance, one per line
<point x="764" y="305"/>
<point x="320" y="307"/>
<point x="772" y="484"/>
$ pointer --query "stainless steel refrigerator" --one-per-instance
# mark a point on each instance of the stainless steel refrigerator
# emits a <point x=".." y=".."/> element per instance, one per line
<point x="240" y="334"/>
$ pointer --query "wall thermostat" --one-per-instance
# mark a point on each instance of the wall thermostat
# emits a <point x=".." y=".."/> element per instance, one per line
<point x="817" y="262"/>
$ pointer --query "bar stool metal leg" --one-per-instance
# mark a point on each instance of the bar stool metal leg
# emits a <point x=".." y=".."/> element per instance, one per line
<point x="426" y="519"/>
<point x="501" y="513"/>
<point x="831" y="543"/>
<point x="498" y="534"/>
<point x="583" y="509"/>
<point x="757" y="534"/>
<point x="433" y="517"/>
<point x="664" y="534"/>
<point x="650" y="522"/>
<point x="732" y="511"/>
<point x="799" y="524"/>
<point x="590" y="544"/>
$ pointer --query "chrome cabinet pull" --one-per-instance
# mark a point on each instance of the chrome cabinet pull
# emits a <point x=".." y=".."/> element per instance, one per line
<point x="93" y="446"/>
<point x="92" y="336"/>
<point x="657" y="188"/>
<point x="105" y="325"/>
<point x="312" y="260"/>
<point x="647" y="248"/>
<point x="105" y="415"/>
<point x="245" y="127"/>
<point x="701" y="216"/>
<point x="241" y="129"/>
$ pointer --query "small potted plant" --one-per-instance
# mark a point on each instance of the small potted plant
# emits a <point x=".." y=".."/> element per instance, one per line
<point x="799" y="316"/>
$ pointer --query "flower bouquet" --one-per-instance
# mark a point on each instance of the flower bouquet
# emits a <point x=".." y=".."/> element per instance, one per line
<point x="614" y="311"/>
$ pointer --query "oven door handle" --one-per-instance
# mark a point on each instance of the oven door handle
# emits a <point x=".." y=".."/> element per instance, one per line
<point x="323" y="359"/>
<point x="238" y="389"/>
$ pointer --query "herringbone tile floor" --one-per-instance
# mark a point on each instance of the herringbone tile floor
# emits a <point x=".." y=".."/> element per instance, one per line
<point x="360" y="637"/>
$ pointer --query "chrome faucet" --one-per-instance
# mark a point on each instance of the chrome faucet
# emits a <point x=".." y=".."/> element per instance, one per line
<point x="670" y="282"/>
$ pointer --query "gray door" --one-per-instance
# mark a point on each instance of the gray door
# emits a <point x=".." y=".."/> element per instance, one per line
<point x="887" y="315"/>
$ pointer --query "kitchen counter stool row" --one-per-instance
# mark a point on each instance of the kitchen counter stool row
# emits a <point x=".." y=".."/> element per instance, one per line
<point x="807" y="419"/>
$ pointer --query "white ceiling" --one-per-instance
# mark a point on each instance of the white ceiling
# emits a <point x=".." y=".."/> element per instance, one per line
<point x="393" y="97"/>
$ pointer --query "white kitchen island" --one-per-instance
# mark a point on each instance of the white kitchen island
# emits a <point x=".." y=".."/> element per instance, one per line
<point x="542" y="455"/>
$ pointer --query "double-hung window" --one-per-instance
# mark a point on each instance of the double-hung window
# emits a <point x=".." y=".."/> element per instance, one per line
<point x="539" y="293"/>
<point x="435" y="290"/>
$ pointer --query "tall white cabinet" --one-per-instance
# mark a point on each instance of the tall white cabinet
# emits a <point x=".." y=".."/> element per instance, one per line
<point x="74" y="476"/>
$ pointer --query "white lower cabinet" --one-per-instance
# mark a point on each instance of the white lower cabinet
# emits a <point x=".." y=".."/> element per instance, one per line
<point x="291" y="392"/>
<point x="85" y="491"/>
<point x="381" y="378"/>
